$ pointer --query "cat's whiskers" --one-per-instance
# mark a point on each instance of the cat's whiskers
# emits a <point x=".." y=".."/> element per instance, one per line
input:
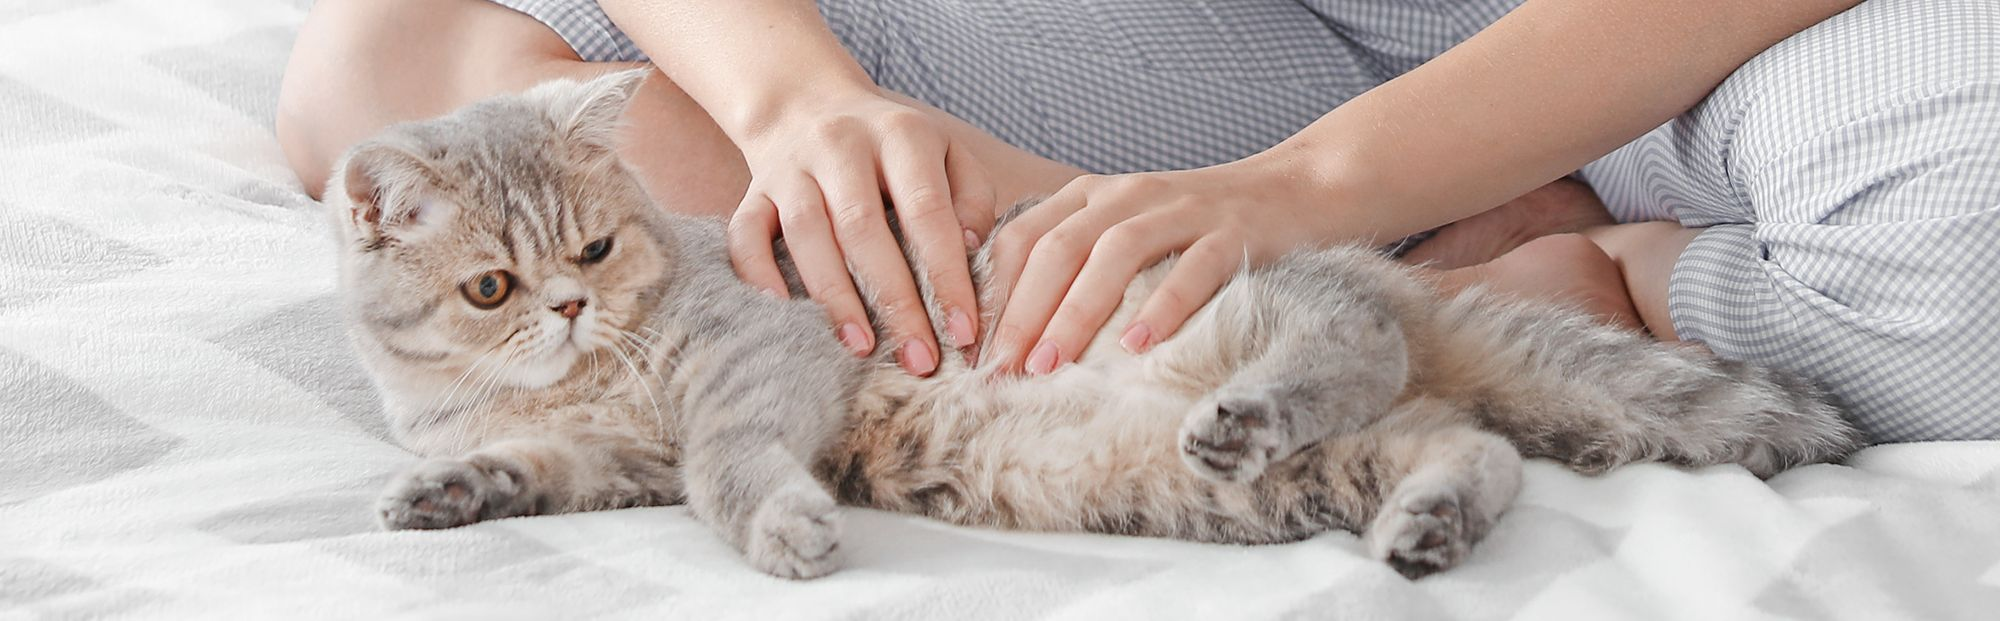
<point x="478" y="383"/>
<point x="453" y="389"/>
<point x="659" y="418"/>
<point x="487" y="384"/>
<point x="640" y="343"/>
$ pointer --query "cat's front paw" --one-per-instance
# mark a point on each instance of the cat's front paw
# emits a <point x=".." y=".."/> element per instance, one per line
<point x="1420" y="532"/>
<point x="1231" y="438"/>
<point x="444" y="493"/>
<point x="795" y="534"/>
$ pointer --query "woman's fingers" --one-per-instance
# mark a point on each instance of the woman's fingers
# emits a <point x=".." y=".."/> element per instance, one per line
<point x="1125" y="248"/>
<point x="1051" y="268"/>
<point x="810" y="238"/>
<point x="854" y="197"/>
<point x="914" y="172"/>
<point x="972" y="194"/>
<point x="751" y="231"/>
<point x="1201" y="271"/>
<point x="1014" y="244"/>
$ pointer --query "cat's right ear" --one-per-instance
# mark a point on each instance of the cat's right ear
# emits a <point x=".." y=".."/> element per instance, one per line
<point x="392" y="193"/>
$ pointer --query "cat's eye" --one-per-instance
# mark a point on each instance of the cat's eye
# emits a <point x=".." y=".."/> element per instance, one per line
<point x="488" y="290"/>
<point x="595" y="252"/>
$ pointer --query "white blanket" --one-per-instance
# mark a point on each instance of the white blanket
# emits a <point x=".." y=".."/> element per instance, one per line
<point x="184" y="434"/>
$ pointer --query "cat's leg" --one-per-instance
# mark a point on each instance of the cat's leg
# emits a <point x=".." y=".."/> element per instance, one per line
<point x="1321" y="354"/>
<point x="1462" y="480"/>
<point x="1422" y="487"/>
<point x="756" y="418"/>
<point x="758" y="494"/>
<point x="566" y="464"/>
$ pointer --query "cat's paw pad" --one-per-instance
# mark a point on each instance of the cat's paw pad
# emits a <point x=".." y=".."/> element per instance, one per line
<point x="1598" y="458"/>
<point x="444" y="493"/>
<point x="1420" y="534"/>
<point x="1231" y="439"/>
<point x="796" y="534"/>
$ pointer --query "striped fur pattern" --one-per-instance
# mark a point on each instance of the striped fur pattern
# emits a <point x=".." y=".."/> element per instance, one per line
<point x="1331" y="390"/>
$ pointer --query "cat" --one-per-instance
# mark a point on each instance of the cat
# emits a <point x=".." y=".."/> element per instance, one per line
<point x="552" y="341"/>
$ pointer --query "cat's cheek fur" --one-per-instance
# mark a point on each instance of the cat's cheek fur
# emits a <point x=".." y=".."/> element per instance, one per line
<point x="544" y="370"/>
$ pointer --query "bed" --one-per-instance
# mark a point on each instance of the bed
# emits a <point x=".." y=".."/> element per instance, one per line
<point x="184" y="432"/>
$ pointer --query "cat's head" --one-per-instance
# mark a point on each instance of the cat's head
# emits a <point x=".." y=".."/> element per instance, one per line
<point x="504" y="236"/>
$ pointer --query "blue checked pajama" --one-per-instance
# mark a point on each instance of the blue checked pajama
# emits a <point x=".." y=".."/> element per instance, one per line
<point x="1846" y="182"/>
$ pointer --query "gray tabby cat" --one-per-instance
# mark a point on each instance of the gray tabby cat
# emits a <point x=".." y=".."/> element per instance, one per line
<point x="553" y="341"/>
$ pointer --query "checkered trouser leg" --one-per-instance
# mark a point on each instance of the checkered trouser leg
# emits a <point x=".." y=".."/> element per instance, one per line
<point x="1848" y="186"/>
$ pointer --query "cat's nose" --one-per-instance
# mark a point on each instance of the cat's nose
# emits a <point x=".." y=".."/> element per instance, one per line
<point x="569" y="309"/>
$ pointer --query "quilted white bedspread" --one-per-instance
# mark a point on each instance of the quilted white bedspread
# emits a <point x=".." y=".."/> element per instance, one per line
<point x="183" y="432"/>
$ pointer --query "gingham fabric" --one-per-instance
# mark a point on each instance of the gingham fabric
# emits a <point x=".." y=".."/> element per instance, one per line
<point x="185" y="434"/>
<point x="1849" y="178"/>
<point x="1117" y="85"/>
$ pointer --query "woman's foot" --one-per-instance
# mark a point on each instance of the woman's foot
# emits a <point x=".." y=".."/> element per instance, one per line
<point x="1566" y="269"/>
<point x="1565" y="206"/>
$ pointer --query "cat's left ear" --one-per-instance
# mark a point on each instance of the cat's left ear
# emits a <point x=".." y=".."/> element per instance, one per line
<point x="392" y="193"/>
<point x="591" y="113"/>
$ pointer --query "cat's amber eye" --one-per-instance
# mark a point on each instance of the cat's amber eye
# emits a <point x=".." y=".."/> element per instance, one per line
<point x="596" y="251"/>
<point x="488" y="290"/>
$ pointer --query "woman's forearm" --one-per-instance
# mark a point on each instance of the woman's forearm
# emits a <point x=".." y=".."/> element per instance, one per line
<point x="1540" y="93"/>
<point x="742" y="60"/>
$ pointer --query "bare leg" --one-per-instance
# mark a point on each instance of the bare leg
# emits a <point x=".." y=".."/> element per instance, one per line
<point x="1646" y="253"/>
<point x="1562" y="269"/>
<point x="1565" y="206"/>
<point x="361" y="65"/>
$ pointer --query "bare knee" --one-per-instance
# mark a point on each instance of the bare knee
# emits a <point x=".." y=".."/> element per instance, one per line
<point x="361" y="65"/>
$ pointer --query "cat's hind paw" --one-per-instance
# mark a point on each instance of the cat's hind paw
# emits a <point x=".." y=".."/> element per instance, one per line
<point x="1231" y="439"/>
<point x="445" y="493"/>
<point x="1421" y="533"/>
<point x="795" y="534"/>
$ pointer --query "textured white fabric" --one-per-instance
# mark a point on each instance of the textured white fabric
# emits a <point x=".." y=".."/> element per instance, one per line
<point x="183" y="434"/>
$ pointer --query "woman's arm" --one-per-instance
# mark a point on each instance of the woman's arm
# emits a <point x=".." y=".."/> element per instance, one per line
<point x="825" y="146"/>
<point x="1538" y="94"/>
<point x="746" y="61"/>
<point x="1543" y="91"/>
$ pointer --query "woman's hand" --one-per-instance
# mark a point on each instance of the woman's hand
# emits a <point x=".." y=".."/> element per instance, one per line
<point x="1067" y="262"/>
<point x="823" y="170"/>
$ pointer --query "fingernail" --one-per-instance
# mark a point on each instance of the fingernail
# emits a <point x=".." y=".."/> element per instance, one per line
<point x="971" y="240"/>
<point x="855" y="338"/>
<point x="1044" y="358"/>
<point x="1137" y="339"/>
<point x="917" y="358"/>
<point x="959" y="326"/>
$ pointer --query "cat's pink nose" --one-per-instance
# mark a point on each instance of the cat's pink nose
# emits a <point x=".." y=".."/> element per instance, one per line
<point x="569" y="309"/>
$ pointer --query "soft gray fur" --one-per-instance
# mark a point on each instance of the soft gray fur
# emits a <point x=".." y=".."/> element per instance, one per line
<point x="1332" y="389"/>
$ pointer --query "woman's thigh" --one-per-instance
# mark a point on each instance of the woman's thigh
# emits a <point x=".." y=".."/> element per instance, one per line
<point x="361" y="65"/>
<point x="1848" y="185"/>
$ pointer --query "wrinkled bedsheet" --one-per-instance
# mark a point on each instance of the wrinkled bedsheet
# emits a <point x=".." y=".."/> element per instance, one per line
<point x="184" y="433"/>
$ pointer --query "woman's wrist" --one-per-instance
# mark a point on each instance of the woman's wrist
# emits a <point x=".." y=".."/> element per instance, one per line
<point x="769" y="100"/>
<point x="1328" y="190"/>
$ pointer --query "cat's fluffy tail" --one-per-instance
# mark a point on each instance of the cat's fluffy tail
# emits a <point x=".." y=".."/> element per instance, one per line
<point x="1568" y="388"/>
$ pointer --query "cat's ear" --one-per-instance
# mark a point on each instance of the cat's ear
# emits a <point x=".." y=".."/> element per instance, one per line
<point x="590" y="113"/>
<point x="392" y="193"/>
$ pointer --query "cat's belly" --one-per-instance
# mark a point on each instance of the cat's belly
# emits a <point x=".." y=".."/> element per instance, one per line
<point x="1093" y="446"/>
